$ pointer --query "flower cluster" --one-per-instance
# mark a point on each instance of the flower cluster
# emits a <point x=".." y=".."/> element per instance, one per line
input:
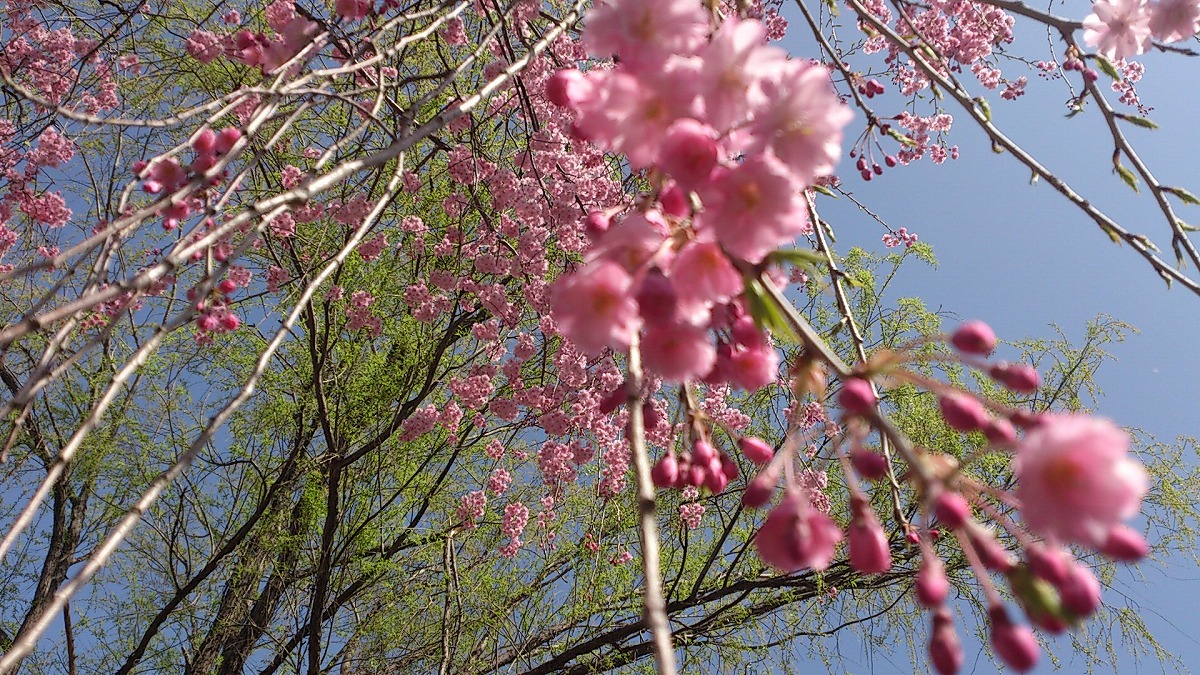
<point x="732" y="132"/>
<point x="1124" y="28"/>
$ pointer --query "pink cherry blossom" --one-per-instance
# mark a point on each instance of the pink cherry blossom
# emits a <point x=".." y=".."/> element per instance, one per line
<point x="594" y="307"/>
<point x="1076" y="481"/>
<point x="678" y="352"/>
<point x="734" y="64"/>
<point x="803" y="123"/>
<point x="1118" y="28"/>
<point x="1172" y="20"/>
<point x="754" y="208"/>
<point x="644" y="33"/>
<point x="703" y="276"/>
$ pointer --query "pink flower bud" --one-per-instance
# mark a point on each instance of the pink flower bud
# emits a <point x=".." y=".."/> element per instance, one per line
<point x="567" y="88"/>
<point x="650" y="416"/>
<point x="665" y="472"/>
<point x="869" y="464"/>
<point x="227" y="286"/>
<point x="227" y="139"/>
<point x="1001" y="433"/>
<point x="991" y="552"/>
<point x="760" y="490"/>
<point x="205" y="142"/>
<point x="1080" y="591"/>
<point x="729" y="468"/>
<point x="932" y="585"/>
<point x="1019" y="377"/>
<point x="1015" y="645"/>
<point x="945" y="651"/>
<point x="703" y="453"/>
<point x="596" y="224"/>
<point x="951" y="509"/>
<point x="963" y="412"/>
<point x="230" y="322"/>
<point x="870" y="552"/>
<point x="674" y="201"/>
<point x="756" y="450"/>
<point x="208" y="322"/>
<point x="1125" y="545"/>
<point x="974" y="337"/>
<point x="716" y="482"/>
<point x="1047" y="563"/>
<point x="612" y="401"/>
<point x="857" y="397"/>
<point x="795" y="536"/>
<point x="689" y="153"/>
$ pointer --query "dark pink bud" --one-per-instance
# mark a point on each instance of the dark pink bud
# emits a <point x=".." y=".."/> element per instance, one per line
<point x="951" y="509"/>
<point x="974" y="337"/>
<point x="1015" y="645"/>
<point x="760" y="490"/>
<point x="208" y="322"/>
<point x="650" y="416"/>
<point x="1125" y="545"/>
<point x="756" y="450"/>
<point x="1016" y="376"/>
<point x="139" y="166"/>
<point x="227" y="286"/>
<point x="963" y="412"/>
<point x="227" y="139"/>
<point x="869" y="549"/>
<point x="1080" y="591"/>
<point x="1001" y="433"/>
<point x="869" y="464"/>
<point x="657" y="299"/>
<point x="230" y="322"/>
<point x="716" y="482"/>
<point x="932" y="585"/>
<point x="857" y="397"/>
<point x="205" y="142"/>
<point x="890" y="161"/>
<point x="674" y="201"/>
<point x="1048" y="563"/>
<point x="567" y="87"/>
<point x="1025" y="419"/>
<point x="696" y="475"/>
<point x="703" y="452"/>
<point x="665" y="472"/>
<point x="596" y="224"/>
<point x="612" y="401"/>
<point x="991" y="553"/>
<point x="944" y="649"/>
<point x="729" y="468"/>
<point x="689" y="153"/>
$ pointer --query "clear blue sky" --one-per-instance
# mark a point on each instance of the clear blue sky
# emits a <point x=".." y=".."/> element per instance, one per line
<point x="1021" y="258"/>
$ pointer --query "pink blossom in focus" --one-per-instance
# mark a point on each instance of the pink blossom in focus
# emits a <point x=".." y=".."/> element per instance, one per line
<point x="796" y="536"/>
<point x="803" y="123"/>
<point x="754" y="208"/>
<point x="1076" y="481"/>
<point x="1118" y="28"/>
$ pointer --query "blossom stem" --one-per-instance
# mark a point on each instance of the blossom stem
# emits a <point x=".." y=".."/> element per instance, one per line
<point x="655" y="607"/>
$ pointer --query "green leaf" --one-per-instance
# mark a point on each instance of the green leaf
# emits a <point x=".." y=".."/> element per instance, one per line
<point x="796" y="256"/>
<point x="1184" y="196"/>
<point x="1139" y="121"/>
<point x="1108" y="67"/>
<point x="825" y="191"/>
<point x="765" y="313"/>
<point x="1127" y="176"/>
<point x="901" y="137"/>
<point x="984" y="108"/>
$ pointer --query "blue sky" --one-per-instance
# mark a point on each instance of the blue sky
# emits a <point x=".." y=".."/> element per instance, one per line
<point x="1022" y="258"/>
